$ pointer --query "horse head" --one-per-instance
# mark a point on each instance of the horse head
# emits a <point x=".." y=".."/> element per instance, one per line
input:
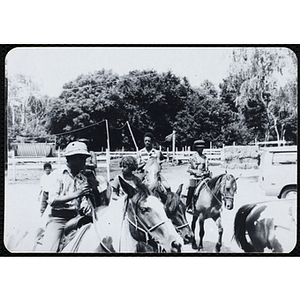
<point x="228" y="188"/>
<point x="148" y="219"/>
<point x="175" y="210"/>
<point x="152" y="171"/>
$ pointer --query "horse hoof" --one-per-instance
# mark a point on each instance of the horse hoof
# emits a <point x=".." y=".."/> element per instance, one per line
<point x="218" y="248"/>
<point x="194" y="245"/>
<point x="200" y="248"/>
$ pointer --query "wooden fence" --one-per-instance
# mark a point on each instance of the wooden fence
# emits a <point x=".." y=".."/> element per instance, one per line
<point x="103" y="159"/>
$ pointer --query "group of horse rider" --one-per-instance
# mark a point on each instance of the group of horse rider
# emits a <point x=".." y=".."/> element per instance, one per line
<point x="69" y="187"/>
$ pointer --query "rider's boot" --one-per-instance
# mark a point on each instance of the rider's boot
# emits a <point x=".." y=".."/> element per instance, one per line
<point x="189" y="199"/>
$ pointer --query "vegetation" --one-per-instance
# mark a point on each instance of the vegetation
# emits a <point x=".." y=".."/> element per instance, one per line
<point x="256" y="101"/>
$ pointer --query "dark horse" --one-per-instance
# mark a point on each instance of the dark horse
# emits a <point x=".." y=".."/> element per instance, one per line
<point x="174" y="207"/>
<point x="176" y="212"/>
<point x="266" y="226"/>
<point x="210" y="196"/>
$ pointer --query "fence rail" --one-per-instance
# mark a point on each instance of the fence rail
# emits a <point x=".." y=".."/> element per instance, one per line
<point x="104" y="158"/>
<point x="212" y="155"/>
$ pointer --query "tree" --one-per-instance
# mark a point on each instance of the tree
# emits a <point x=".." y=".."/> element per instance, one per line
<point x="85" y="102"/>
<point x="26" y="108"/>
<point x="148" y="100"/>
<point x="262" y="74"/>
<point x="154" y="100"/>
<point x="205" y="116"/>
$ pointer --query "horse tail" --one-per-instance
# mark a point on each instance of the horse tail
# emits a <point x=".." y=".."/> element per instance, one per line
<point x="240" y="227"/>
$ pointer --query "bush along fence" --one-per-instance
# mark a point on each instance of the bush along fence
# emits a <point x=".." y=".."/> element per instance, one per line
<point x="241" y="157"/>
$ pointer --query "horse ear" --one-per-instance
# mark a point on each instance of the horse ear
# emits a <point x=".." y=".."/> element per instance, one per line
<point x="127" y="188"/>
<point x="225" y="171"/>
<point x="238" y="177"/>
<point x="179" y="190"/>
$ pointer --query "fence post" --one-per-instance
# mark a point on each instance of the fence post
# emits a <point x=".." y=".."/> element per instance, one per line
<point x="59" y="155"/>
<point x="168" y="155"/>
<point x="14" y="165"/>
<point x="108" y="164"/>
<point x="173" y="145"/>
<point x="222" y="154"/>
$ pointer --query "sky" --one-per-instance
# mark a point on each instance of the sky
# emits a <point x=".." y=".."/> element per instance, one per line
<point x="52" y="67"/>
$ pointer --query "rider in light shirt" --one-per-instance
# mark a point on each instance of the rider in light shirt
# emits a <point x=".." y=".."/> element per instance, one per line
<point x="68" y="192"/>
<point x="149" y="152"/>
<point x="198" y="169"/>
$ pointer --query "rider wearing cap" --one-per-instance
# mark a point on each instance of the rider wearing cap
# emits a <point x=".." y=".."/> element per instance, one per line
<point x="198" y="169"/>
<point x="68" y="191"/>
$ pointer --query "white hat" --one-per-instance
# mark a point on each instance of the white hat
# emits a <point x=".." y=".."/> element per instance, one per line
<point x="77" y="148"/>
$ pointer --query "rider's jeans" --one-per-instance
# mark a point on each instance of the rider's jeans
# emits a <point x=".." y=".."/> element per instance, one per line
<point x="194" y="182"/>
<point x="53" y="233"/>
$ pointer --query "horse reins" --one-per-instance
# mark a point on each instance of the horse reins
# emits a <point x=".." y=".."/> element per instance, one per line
<point x="163" y="190"/>
<point x="143" y="228"/>
<point x="182" y="226"/>
<point x="222" y="195"/>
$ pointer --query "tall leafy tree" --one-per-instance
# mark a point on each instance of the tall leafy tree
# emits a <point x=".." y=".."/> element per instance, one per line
<point x="26" y="109"/>
<point x="148" y="100"/>
<point x="85" y="102"/>
<point x="259" y="76"/>
<point x="152" y="100"/>
<point x="204" y="116"/>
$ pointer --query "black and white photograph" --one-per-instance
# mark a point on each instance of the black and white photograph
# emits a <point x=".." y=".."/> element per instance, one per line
<point x="151" y="150"/>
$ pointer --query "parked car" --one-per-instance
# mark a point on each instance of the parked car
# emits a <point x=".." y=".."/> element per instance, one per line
<point x="278" y="167"/>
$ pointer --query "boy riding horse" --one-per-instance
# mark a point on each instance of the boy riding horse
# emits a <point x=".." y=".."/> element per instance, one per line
<point x="148" y="152"/>
<point x="198" y="169"/>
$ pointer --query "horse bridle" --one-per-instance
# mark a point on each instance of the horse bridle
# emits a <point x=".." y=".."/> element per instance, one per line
<point x="162" y="191"/>
<point x="181" y="226"/>
<point x="142" y="228"/>
<point x="222" y="195"/>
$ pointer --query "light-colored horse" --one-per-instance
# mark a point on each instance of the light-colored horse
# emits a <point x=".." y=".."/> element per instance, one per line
<point x="140" y="217"/>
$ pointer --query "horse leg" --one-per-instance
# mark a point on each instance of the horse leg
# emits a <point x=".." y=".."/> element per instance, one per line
<point x="201" y="232"/>
<point x="193" y="226"/>
<point x="220" y="231"/>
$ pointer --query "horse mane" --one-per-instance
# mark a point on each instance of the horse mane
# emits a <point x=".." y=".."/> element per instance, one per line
<point x="142" y="192"/>
<point x="212" y="183"/>
<point x="151" y="161"/>
<point x="172" y="201"/>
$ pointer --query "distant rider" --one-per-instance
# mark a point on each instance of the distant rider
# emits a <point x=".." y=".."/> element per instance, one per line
<point x="148" y="152"/>
<point x="198" y="169"/>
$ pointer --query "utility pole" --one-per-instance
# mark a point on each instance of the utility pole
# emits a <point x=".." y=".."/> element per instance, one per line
<point x="107" y="152"/>
<point x="136" y="147"/>
<point x="173" y="144"/>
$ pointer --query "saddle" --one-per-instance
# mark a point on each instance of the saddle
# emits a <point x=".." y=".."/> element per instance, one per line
<point x="200" y="186"/>
<point x="76" y="223"/>
<point x="71" y="229"/>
